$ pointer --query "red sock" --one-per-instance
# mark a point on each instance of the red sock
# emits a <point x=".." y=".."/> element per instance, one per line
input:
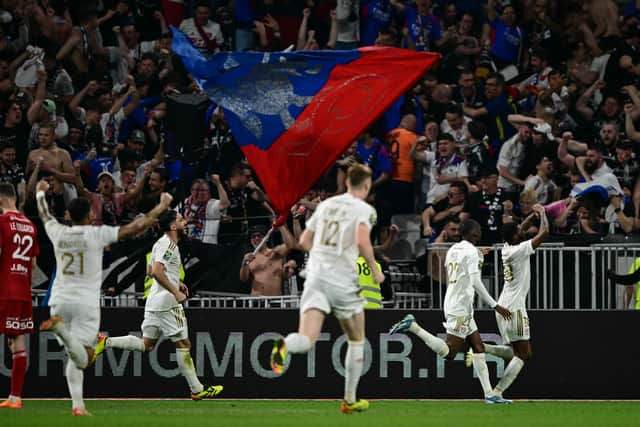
<point x="17" y="373"/>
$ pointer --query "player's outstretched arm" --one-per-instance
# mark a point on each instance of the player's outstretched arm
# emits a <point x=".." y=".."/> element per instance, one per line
<point x="482" y="292"/>
<point x="140" y="225"/>
<point x="543" y="232"/>
<point x="43" y="208"/>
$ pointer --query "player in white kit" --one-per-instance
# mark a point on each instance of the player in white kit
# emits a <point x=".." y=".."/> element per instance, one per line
<point x="335" y="235"/>
<point x="464" y="266"/>
<point x="163" y="311"/>
<point x="517" y="282"/>
<point x="75" y="295"/>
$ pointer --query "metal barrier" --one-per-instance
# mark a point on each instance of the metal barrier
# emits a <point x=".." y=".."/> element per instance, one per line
<point x="562" y="278"/>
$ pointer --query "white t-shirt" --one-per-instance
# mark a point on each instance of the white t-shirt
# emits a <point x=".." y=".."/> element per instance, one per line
<point x="512" y="157"/>
<point x="348" y="31"/>
<point x="212" y="222"/>
<point x="544" y="190"/>
<point x="166" y="252"/>
<point x="462" y="260"/>
<point x="212" y="30"/>
<point x="517" y="275"/>
<point x="143" y="47"/>
<point x="601" y="171"/>
<point x="334" y="225"/>
<point x="454" y="167"/>
<point x="78" y="250"/>
<point x="110" y="124"/>
<point x="460" y="135"/>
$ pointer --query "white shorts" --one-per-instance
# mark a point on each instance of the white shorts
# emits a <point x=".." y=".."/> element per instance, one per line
<point x="344" y="300"/>
<point x="516" y="329"/>
<point x="460" y="326"/>
<point x="170" y="323"/>
<point x="83" y="322"/>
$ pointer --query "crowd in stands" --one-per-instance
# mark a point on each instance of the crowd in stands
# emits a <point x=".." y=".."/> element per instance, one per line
<point x="530" y="98"/>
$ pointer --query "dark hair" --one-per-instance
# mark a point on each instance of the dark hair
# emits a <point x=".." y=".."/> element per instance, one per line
<point x="541" y="53"/>
<point x="460" y="186"/>
<point x="468" y="228"/>
<point x="467" y="70"/>
<point x="554" y="72"/>
<point x="238" y="169"/>
<point x="166" y="218"/>
<point x="164" y="175"/>
<point x="452" y="219"/>
<point x="499" y="78"/>
<point x="149" y="55"/>
<point x="453" y="108"/>
<point x="6" y="147"/>
<point x="509" y="231"/>
<point x="202" y="3"/>
<point x="7" y="190"/>
<point x="79" y="209"/>
<point x="477" y="129"/>
<point x="446" y="137"/>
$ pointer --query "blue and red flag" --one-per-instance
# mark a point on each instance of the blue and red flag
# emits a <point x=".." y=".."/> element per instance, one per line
<point x="294" y="113"/>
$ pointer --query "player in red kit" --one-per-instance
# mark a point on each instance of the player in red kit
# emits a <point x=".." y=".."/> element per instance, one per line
<point x="18" y="251"/>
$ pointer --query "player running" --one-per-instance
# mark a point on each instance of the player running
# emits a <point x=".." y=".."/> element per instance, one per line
<point x="336" y="233"/>
<point x="517" y="282"/>
<point x="163" y="312"/>
<point x="464" y="266"/>
<point x="75" y="295"/>
<point x="18" y="251"/>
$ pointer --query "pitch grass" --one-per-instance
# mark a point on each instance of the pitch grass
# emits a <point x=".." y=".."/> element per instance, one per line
<point x="223" y="413"/>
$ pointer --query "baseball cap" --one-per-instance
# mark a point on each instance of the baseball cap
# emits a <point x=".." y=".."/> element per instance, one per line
<point x="544" y="128"/>
<point x="138" y="136"/>
<point x="106" y="173"/>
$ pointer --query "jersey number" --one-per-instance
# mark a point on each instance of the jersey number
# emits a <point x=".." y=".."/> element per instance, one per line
<point x="364" y="270"/>
<point x="329" y="233"/>
<point x="508" y="273"/>
<point x="25" y="243"/>
<point x="452" y="272"/>
<point x="68" y="261"/>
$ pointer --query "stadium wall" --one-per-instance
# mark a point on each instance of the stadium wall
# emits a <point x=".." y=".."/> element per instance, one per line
<point x="576" y="355"/>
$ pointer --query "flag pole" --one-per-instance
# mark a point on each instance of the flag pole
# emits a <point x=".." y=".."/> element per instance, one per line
<point x="279" y="222"/>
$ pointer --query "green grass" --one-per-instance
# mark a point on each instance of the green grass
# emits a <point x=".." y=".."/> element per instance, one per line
<point x="223" y="413"/>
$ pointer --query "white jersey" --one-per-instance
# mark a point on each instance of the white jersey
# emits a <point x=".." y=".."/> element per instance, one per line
<point x="517" y="275"/>
<point x="334" y="225"/>
<point x="166" y="252"/>
<point x="463" y="259"/>
<point x="78" y="250"/>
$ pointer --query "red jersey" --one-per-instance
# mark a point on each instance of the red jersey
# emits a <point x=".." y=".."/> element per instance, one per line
<point x="19" y="244"/>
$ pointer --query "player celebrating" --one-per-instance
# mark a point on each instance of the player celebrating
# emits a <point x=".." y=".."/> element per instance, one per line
<point x="464" y="265"/>
<point x="338" y="230"/>
<point x="163" y="312"/>
<point x="18" y="251"/>
<point x="75" y="295"/>
<point x="517" y="281"/>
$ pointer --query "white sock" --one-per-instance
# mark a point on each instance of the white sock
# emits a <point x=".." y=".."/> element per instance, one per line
<point x="502" y="351"/>
<point x="75" y="350"/>
<point x="128" y="342"/>
<point x="75" y="378"/>
<point x="297" y="343"/>
<point x="188" y="371"/>
<point x="353" y="369"/>
<point x="434" y="343"/>
<point x="510" y="374"/>
<point x="480" y="365"/>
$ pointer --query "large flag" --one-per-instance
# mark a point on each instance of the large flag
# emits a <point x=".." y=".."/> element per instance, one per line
<point x="294" y="113"/>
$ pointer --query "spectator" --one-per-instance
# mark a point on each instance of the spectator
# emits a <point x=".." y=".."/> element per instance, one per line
<point x="15" y="131"/>
<point x="467" y="92"/>
<point x="401" y="190"/>
<point x="495" y="111"/>
<point x="375" y="21"/>
<point x="11" y="172"/>
<point x="265" y="271"/>
<point x="628" y="217"/>
<point x="507" y="38"/>
<point x="625" y="166"/>
<point x="511" y="156"/>
<point x="348" y="17"/>
<point x="553" y="104"/>
<point x="421" y="29"/>
<point x="434" y="217"/>
<point x="371" y="152"/>
<point x="202" y="212"/>
<point x="205" y="34"/>
<point x="487" y="206"/>
<point x="53" y="160"/>
<point x="455" y="124"/>
<point x="544" y="187"/>
<point x="107" y="205"/>
<point x="477" y="151"/>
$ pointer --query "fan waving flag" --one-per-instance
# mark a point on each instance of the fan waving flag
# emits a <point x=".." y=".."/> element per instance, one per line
<point x="294" y="113"/>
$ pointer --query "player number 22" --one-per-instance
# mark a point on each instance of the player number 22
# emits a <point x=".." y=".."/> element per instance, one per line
<point x="68" y="261"/>
<point x="329" y="233"/>
<point x="24" y="245"/>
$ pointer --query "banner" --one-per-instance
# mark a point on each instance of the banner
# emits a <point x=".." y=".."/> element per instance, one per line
<point x="232" y="347"/>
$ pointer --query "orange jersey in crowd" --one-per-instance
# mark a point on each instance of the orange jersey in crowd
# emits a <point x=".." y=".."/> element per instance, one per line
<point x="400" y="142"/>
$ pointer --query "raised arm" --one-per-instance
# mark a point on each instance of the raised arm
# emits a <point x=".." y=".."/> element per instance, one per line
<point x="141" y="224"/>
<point x="543" y="232"/>
<point x="629" y="128"/>
<point x="414" y="154"/>
<point x="41" y="202"/>
<point x="582" y="103"/>
<point x="222" y="194"/>
<point x="302" y="30"/>
<point x="69" y="45"/>
<point x="563" y="151"/>
<point x="288" y="242"/>
<point x="74" y="104"/>
<point x="33" y="114"/>
<point x="333" y="30"/>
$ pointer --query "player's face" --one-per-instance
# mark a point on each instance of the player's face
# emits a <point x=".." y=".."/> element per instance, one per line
<point x="179" y="225"/>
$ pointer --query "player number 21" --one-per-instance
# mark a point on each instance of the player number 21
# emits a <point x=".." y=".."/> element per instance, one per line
<point x="329" y="233"/>
<point x="68" y="261"/>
